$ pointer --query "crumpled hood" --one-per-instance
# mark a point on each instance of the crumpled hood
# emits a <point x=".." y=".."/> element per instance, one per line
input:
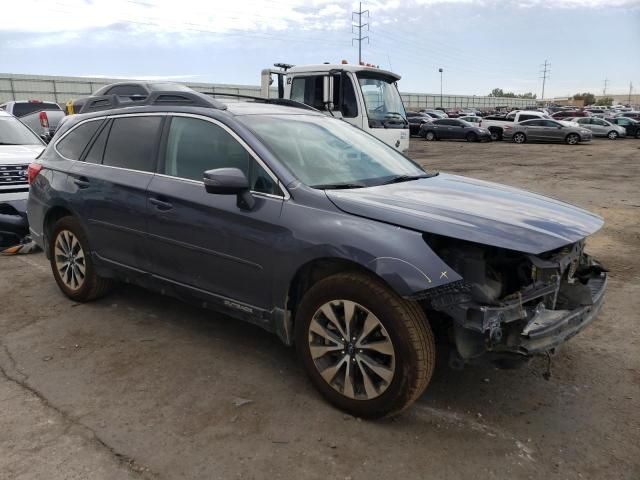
<point x="473" y="210"/>
<point x="11" y="154"/>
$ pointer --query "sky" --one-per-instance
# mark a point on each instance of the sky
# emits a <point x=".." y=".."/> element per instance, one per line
<point x="479" y="44"/>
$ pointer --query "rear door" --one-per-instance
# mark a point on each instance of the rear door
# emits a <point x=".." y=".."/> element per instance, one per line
<point x="112" y="181"/>
<point x="204" y="241"/>
<point x="533" y="129"/>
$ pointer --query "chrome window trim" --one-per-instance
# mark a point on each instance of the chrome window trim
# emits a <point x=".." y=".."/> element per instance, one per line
<point x="285" y="196"/>
<point x="55" y="145"/>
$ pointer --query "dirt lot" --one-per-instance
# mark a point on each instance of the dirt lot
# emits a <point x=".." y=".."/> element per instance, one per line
<point x="141" y="386"/>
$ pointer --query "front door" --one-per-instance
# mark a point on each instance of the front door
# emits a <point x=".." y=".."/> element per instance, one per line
<point x="206" y="241"/>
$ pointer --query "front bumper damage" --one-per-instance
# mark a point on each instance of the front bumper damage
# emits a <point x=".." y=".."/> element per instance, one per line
<point x="535" y="320"/>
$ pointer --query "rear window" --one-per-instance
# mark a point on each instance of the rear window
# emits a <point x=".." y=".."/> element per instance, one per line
<point x="74" y="143"/>
<point x="132" y="143"/>
<point x="22" y="109"/>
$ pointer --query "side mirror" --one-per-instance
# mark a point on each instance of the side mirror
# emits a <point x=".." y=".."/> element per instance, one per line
<point x="229" y="181"/>
<point x="327" y="92"/>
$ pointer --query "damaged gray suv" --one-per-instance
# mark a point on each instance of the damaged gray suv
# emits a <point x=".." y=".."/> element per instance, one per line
<point x="316" y="231"/>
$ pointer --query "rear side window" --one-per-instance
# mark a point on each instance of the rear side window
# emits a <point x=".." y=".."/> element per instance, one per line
<point x="74" y="143"/>
<point x="132" y="143"/>
<point x="527" y="117"/>
<point x="22" y="109"/>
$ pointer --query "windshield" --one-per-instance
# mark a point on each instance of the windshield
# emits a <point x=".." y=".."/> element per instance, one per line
<point x="382" y="100"/>
<point x="14" y="132"/>
<point x="324" y="152"/>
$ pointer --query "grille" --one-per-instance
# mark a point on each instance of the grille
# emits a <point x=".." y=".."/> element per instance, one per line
<point x="13" y="175"/>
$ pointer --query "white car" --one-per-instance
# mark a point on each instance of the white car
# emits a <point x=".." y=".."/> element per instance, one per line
<point x="41" y="117"/>
<point x="19" y="146"/>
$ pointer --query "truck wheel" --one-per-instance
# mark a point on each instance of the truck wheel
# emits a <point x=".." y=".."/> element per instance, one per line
<point x="572" y="139"/>
<point x="496" y="134"/>
<point x="368" y="351"/>
<point x="472" y="137"/>
<point x="71" y="263"/>
<point x="430" y="136"/>
<point x="519" y="137"/>
<point x="612" y="135"/>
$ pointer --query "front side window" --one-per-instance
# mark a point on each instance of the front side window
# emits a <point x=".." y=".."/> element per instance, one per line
<point x="382" y="100"/>
<point x="74" y="143"/>
<point x="324" y="152"/>
<point x="195" y="146"/>
<point x="133" y="142"/>
<point x="14" y="132"/>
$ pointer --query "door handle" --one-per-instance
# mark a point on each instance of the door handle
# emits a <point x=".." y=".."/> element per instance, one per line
<point x="82" y="182"/>
<point x="161" y="204"/>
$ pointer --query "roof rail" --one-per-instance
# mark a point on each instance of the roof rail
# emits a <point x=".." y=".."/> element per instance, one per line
<point x="110" y="102"/>
<point x="273" y="101"/>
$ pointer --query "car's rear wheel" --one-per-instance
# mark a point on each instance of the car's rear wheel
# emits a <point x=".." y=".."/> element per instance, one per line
<point x="430" y="136"/>
<point x="612" y="135"/>
<point x="71" y="262"/>
<point x="519" y="137"/>
<point x="496" y="134"/>
<point x="572" y="139"/>
<point x="368" y="351"/>
<point x="472" y="137"/>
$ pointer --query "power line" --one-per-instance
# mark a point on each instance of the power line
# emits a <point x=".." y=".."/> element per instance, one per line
<point x="359" y="26"/>
<point x="545" y="74"/>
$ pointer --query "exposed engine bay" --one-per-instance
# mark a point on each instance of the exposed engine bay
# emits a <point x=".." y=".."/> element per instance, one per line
<point x="512" y="302"/>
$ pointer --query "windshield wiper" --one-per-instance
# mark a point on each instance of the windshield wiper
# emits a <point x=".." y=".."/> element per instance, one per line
<point x="338" y="186"/>
<point x="408" y="178"/>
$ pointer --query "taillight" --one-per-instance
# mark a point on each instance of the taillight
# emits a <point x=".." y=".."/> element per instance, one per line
<point x="33" y="171"/>
<point x="44" y="120"/>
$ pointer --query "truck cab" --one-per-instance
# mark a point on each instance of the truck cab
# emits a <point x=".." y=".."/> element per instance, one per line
<point x="365" y="96"/>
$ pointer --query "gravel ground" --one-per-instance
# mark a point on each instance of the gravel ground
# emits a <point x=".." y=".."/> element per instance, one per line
<point x="141" y="386"/>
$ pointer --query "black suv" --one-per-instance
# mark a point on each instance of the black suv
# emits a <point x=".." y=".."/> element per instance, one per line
<point x="316" y="231"/>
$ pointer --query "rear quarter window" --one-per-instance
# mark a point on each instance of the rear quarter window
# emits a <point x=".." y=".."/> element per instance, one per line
<point x="74" y="142"/>
<point x="133" y="142"/>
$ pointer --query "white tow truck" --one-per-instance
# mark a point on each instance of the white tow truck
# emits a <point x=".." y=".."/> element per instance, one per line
<point x="363" y="95"/>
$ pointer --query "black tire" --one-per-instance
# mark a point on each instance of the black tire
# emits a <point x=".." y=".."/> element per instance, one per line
<point x="638" y="133"/>
<point x="407" y="328"/>
<point x="496" y="134"/>
<point x="572" y="139"/>
<point x="612" y="135"/>
<point x="430" y="136"/>
<point x="92" y="285"/>
<point x="471" y="137"/>
<point x="519" y="137"/>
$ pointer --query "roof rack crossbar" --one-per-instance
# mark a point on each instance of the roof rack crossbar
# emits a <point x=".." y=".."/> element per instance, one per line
<point x="110" y="102"/>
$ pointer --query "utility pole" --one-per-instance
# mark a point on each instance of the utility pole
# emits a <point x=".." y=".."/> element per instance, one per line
<point x="545" y="74"/>
<point x="359" y="26"/>
<point x="604" y="90"/>
<point x="440" y="70"/>
<point x="630" y="90"/>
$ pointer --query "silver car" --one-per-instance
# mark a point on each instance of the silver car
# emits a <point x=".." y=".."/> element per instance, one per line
<point x="544" y="130"/>
<point x="600" y="127"/>
<point x="471" y="119"/>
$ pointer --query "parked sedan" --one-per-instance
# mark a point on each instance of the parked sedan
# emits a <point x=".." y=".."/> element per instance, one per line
<point x="454" y="129"/>
<point x="543" y="130"/>
<point x="600" y="127"/>
<point x="434" y="113"/>
<point x="562" y="114"/>
<point x="631" y="126"/>
<point x="634" y="115"/>
<point x="416" y="120"/>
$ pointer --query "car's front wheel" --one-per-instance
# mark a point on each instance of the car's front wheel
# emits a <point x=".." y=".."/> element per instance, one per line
<point x="472" y="137"/>
<point x="519" y="137"/>
<point x="71" y="262"/>
<point x="572" y="139"/>
<point x="368" y="351"/>
<point x="612" y="135"/>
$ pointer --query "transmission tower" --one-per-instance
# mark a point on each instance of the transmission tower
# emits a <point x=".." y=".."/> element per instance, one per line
<point x="359" y="26"/>
<point x="545" y="74"/>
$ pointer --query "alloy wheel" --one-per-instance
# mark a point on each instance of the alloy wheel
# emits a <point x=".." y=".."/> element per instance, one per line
<point x="70" y="260"/>
<point x="572" y="139"/>
<point x="351" y="350"/>
<point x="612" y="135"/>
<point x="519" y="138"/>
<point x="430" y="136"/>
